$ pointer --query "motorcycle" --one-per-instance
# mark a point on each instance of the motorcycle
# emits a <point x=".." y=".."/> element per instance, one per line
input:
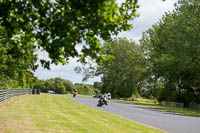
<point x="102" y="101"/>
<point x="74" y="94"/>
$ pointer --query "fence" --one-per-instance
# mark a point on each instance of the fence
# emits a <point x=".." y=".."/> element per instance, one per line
<point x="8" y="93"/>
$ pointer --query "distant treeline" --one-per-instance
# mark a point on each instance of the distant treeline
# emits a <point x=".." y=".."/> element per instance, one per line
<point x="63" y="86"/>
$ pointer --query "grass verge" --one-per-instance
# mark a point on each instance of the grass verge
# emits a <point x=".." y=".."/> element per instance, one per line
<point x="60" y="114"/>
<point x="150" y="104"/>
<point x="79" y="95"/>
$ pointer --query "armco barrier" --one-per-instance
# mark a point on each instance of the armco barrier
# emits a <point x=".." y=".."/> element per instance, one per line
<point x="194" y="106"/>
<point x="8" y="93"/>
<point x="172" y="104"/>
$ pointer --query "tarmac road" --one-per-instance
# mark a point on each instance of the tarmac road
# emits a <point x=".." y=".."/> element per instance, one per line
<point x="167" y="121"/>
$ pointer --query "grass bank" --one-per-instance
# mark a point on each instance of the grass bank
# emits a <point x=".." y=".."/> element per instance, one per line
<point x="60" y="114"/>
<point x="153" y="105"/>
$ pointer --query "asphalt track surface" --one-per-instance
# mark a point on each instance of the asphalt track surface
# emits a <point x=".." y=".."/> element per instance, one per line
<point x="166" y="121"/>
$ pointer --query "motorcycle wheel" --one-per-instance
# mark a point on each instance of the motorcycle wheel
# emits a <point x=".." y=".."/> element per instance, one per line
<point x="99" y="105"/>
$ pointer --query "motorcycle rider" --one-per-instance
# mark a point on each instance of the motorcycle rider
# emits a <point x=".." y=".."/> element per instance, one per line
<point x="75" y="93"/>
<point x="109" y="97"/>
<point x="103" y="100"/>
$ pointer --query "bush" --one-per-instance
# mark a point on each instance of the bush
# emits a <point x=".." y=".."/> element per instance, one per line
<point x="84" y="89"/>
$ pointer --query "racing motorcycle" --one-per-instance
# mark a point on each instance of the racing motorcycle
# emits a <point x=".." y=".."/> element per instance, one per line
<point x="102" y="101"/>
<point x="75" y="93"/>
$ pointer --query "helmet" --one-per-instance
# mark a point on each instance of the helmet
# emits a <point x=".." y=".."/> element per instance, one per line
<point x="109" y="94"/>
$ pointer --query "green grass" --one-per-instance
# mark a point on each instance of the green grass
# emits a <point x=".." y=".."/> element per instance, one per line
<point x="151" y="104"/>
<point x="60" y="114"/>
<point x="142" y="100"/>
<point x="84" y="96"/>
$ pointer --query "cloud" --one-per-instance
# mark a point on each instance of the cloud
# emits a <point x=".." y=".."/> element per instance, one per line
<point x="150" y="12"/>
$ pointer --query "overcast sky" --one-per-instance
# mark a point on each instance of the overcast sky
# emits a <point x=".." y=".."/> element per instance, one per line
<point x="150" y="12"/>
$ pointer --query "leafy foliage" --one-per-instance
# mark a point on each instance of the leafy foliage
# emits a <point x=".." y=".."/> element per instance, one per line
<point x="98" y="86"/>
<point x="123" y="72"/>
<point x="60" y="86"/>
<point x="58" y="26"/>
<point x="85" y="89"/>
<point x="63" y="86"/>
<point x="16" y="64"/>
<point x="172" y="47"/>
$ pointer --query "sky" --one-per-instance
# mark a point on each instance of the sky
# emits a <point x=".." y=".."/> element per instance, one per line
<point x="150" y="12"/>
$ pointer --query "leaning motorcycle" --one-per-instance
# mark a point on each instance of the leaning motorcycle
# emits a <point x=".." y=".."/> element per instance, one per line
<point x="102" y="102"/>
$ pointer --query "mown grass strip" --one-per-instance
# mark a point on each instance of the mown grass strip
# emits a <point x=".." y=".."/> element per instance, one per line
<point x="60" y="114"/>
<point x="175" y="110"/>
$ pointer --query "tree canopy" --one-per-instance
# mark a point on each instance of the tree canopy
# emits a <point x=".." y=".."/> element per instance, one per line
<point x="123" y="72"/>
<point x="15" y="64"/>
<point x="172" y="47"/>
<point x="57" y="26"/>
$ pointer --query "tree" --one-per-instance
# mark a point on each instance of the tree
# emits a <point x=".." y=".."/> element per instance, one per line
<point x="98" y="85"/>
<point x="16" y="64"/>
<point x="172" y="47"/>
<point x="58" y="26"/>
<point x="127" y="68"/>
<point x="56" y="84"/>
<point x="59" y="86"/>
<point x="84" y="89"/>
<point x="40" y="84"/>
<point x="68" y="85"/>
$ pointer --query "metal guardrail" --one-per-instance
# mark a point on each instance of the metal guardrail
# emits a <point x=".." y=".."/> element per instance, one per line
<point x="172" y="104"/>
<point x="194" y="106"/>
<point x="8" y="93"/>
